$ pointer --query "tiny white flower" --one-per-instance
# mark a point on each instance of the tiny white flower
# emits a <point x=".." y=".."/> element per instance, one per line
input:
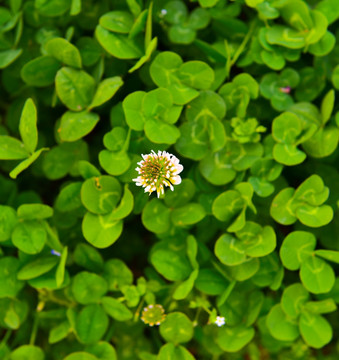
<point x="157" y="170"/>
<point x="220" y="321"/>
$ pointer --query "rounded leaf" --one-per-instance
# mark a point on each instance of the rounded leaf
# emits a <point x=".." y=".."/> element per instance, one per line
<point x="75" y="88"/>
<point x="29" y="236"/>
<point x="75" y="125"/>
<point x="88" y="287"/>
<point x="229" y="250"/>
<point x="8" y="220"/>
<point x="280" y="325"/>
<point x="235" y="338"/>
<point x="315" y="330"/>
<point x="177" y="328"/>
<point x="100" y="230"/>
<point x="27" y="352"/>
<point x="296" y="248"/>
<point x="91" y="324"/>
<point x="316" y="275"/>
<point x="101" y="194"/>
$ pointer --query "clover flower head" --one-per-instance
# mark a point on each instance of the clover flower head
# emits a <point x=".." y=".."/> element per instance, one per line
<point x="157" y="170"/>
<point x="220" y="321"/>
<point x="153" y="315"/>
<point x="285" y="89"/>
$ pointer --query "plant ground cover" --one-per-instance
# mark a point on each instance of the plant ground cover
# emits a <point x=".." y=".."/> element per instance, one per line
<point x="169" y="179"/>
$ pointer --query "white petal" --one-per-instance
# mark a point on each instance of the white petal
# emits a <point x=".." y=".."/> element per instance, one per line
<point x="176" y="180"/>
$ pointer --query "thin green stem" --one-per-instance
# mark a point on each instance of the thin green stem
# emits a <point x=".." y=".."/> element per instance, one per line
<point x="6" y="337"/>
<point x="242" y="46"/>
<point x="34" y="329"/>
<point x="137" y="313"/>
<point x="231" y="61"/>
<point x="221" y="271"/>
<point x="227" y="293"/>
<point x="127" y="141"/>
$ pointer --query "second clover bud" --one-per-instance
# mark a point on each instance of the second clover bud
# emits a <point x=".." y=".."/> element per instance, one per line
<point x="157" y="170"/>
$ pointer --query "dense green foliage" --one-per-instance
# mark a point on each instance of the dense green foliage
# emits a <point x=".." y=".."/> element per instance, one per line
<point x="243" y="93"/>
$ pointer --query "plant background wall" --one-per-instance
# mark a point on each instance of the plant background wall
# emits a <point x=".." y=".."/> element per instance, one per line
<point x="240" y="261"/>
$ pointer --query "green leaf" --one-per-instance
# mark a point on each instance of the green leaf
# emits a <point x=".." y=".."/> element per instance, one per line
<point x="88" y="257"/>
<point x="330" y="255"/>
<point x="106" y="90"/>
<point x="210" y="282"/>
<point x="314" y="216"/>
<point x="227" y="205"/>
<point x="64" y="51"/>
<point x="280" y="325"/>
<point x="100" y="194"/>
<point x="29" y="236"/>
<point x="258" y="241"/>
<point x="164" y="68"/>
<point x="9" y="56"/>
<point x="160" y="132"/>
<point x="68" y="198"/>
<point x="114" y="163"/>
<point x="335" y="77"/>
<point x="12" y="149"/>
<point x="229" y="250"/>
<point x="315" y="330"/>
<point x="88" y="288"/>
<point x="117" y="21"/>
<point x="188" y="214"/>
<point x="170" y="351"/>
<point x="117" y="274"/>
<point x="37" y="267"/>
<point x="80" y="355"/>
<point x="34" y="211"/>
<point x="156" y="217"/>
<point x="281" y="210"/>
<point x="321" y="307"/>
<point x="297" y="247"/>
<point x="177" y="328"/>
<point x="323" y="143"/>
<point x="182" y="291"/>
<point x="91" y="324"/>
<point x="116" y="309"/>
<point x="27" y="126"/>
<point x="293" y="300"/>
<point x="28" y="352"/>
<point x="8" y="220"/>
<point x="100" y="230"/>
<point x="59" y="332"/>
<point x="75" y="88"/>
<point x="132" y="105"/>
<point x="76" y="125"/>
<point x="125" y="206"/>
<point x="196" y="74"/>
<point x="233" y="339"/>
<point x="327" y="106"/>
<point x="284" y="36"/>
<point x="52" y="8"/>
<point x="60" y="271"/>
<point x="61" y="159"/>
<point x="117" y="45"/>
<point x="23" y="165"/>
<point x="171" y="264"/>
<point x="316" y="275"/>
<point x="40" y="71"/>
<point x="10" y="285"/>
<point x="148" y="53"/>
<point x="102" y="350"/>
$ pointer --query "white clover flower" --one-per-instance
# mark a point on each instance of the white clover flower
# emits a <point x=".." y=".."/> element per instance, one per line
<point x="153" y="315"/>
<point x="220" y="321"/>
<point x="157" y="170"/>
